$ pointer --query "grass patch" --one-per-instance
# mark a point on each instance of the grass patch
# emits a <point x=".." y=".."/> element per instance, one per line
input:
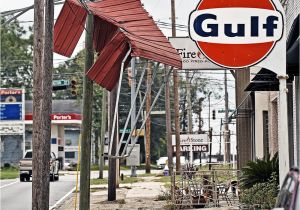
<point x="127" y="180"/>
<point x="9" y="173"/>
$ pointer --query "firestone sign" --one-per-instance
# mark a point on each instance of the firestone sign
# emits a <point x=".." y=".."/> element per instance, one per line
<point x="236" y="34"/>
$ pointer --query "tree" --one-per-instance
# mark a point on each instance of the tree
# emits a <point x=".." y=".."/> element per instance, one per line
<point x="16" y="56"/>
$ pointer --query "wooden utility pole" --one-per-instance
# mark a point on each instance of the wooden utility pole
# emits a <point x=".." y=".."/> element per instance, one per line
<point x="200" y="118"/>
<point x="176" y="95"/>
<point x="85" y="161"/>
<point x="168" y="125"/>
<point x="42" y="102"/>
<point x="112" y="169"/>
<point x="148" y="122"/>
<point x="189" y="103"/>
<point x="102" y="134"/>
<point x="226" y="130"/>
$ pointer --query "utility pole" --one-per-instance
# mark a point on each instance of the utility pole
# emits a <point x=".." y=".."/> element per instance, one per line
<point x="85" y="160"/>
<point x="148" y="122"/>
<point x="176" y="95"/>
<point x="112" y="169"/>
<point x="189" y="102"/>
<point x="133" y="105"/>
<point x="42" y="103"/>
<point x="168" y="125"/>
<point x="200" y="118"/>
<point x="103" y="130"/>
<point x="226" y="130"/>
<point x="209" y="131"/>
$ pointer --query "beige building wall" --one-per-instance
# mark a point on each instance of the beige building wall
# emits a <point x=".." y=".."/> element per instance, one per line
<point x="261" y="105"/>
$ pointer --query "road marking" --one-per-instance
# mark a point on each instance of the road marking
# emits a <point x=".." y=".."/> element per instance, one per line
<point x="63" y="198"/>
<point x="6" y="185"/>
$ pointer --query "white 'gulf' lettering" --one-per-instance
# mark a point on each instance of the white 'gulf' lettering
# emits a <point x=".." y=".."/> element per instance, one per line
<point x="236" y="25"/>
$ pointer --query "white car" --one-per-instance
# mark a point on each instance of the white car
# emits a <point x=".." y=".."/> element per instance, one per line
<point x="196" y="162"/>
<point x="161" y="162"/>
<point x="183" y="161"/>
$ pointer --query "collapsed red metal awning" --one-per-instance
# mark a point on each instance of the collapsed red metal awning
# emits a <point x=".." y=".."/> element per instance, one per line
<point x="117" y="23"/>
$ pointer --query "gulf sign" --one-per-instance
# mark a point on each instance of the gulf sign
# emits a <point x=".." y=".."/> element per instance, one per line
<point x="236" y="33"/>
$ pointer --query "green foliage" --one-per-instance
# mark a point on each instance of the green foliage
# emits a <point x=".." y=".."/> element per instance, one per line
<point x="70" y="69"/>
<point x="259" y="171"/>
<point x="261" y="195"/>
<point x="16" y="56"/>
<point x="9" y="173"/>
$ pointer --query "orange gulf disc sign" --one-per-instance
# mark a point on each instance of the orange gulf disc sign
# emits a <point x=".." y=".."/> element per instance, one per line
<point x="236" y="33"/>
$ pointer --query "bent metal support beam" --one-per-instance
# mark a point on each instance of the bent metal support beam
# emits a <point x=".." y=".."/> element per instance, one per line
<point x="117" y="100"/>
<point x="140" y="111"/>
<point x="166" y="79"/>
<point x="131" y="108"/>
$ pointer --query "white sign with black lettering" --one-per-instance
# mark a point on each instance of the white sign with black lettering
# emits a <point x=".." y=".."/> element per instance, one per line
<point x="134" y="158"/>
<point x="191" y="56"/>
<point x="191" y="139"/>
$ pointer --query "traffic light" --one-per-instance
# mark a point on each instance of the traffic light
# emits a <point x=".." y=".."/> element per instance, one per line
<point x="213" y="114"/>
<point x="74" y="86"/>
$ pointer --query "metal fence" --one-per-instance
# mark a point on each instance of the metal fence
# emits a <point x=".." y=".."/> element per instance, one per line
<point x="195" y="188"/>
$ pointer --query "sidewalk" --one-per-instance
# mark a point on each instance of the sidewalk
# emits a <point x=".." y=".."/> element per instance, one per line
<point x="139" y="195"/>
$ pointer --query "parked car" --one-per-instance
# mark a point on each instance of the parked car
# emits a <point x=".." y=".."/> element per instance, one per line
<point x="289" y="194"/>
<point x="161" y="162"/>
<point x="26" y="167"/>
<point x="196" y="162"/>
<point x="183" y="160"/>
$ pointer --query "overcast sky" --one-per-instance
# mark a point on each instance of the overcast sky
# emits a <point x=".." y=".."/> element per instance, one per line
<point x="160" y="11"/>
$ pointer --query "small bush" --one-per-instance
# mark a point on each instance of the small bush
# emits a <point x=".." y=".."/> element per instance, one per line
<point x="261" y="195"/>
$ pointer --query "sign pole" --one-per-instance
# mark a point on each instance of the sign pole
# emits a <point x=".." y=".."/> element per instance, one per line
<point x="133" y="83"/>
<point x="283" y="148"/>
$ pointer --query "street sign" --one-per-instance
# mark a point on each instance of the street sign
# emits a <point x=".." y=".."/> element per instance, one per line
<point x="61" y="83"/>
<point x="134" y="157"/>
<point x="236" y="34"/>
<point x="223" y="110"/>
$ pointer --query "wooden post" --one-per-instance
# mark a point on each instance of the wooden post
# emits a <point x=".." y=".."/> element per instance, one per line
<point x="102" y="134"/>
<point x="85" y="162"/>
<point x="112" y="172"/>
<point x="148" y="122"/>
<point x="176" y="95"/>
<point x="42" y="103"/>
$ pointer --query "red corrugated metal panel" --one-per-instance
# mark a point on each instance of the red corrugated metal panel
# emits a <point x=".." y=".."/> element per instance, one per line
<point x="68" y="28"/>
<point x="138" y="29"/>
<point x="103" y="33"/>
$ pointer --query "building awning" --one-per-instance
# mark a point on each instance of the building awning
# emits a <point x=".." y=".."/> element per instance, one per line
<point x="292" y="55"/>
<point x="117" y="23"/>
<point x="266" y="80"/>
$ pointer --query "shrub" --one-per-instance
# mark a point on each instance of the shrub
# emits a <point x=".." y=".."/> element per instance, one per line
<point x="261" y="195"/>
<point x="259" y="171"/>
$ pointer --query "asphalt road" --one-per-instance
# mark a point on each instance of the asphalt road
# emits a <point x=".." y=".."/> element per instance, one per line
<point x="16" y="195"/>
